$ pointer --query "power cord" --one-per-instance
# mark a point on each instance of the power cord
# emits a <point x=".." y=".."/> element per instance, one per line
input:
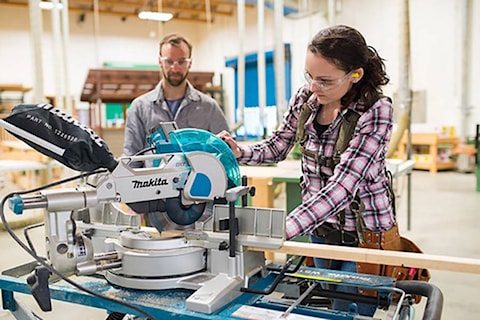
<point x="27" y="236"/>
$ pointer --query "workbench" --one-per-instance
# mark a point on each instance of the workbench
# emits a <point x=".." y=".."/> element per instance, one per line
<point x="167" y="304"/>
<point x="264" y="178"/>
<point x="17" y="157"/>
<point x="162" y="304"/>
<point x="433" y="140"/>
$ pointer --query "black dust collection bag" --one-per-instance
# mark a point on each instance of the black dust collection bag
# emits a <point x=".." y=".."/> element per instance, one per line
<point x="59" y="136"/>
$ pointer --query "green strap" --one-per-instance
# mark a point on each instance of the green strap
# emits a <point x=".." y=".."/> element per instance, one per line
<point x="304" y="114"/>
<point x="347" y="127"/>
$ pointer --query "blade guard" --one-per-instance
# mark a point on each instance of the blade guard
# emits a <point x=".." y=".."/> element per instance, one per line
<point x="193" y="140"/>
<point x="207" y="179"/>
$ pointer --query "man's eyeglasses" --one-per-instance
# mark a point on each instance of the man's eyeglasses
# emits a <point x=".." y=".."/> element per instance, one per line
<point x="170" y="62"/>
<point x="325" y="85"/>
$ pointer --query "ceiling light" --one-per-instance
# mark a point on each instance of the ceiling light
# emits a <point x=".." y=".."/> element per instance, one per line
<point x="47" y="5"/>
<point x="156" y="16"/>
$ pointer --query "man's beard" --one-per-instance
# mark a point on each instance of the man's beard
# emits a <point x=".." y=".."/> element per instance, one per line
<point x="174" y="82"/>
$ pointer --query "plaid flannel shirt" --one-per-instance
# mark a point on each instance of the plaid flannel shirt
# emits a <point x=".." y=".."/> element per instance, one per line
<point x="325" y="192"/>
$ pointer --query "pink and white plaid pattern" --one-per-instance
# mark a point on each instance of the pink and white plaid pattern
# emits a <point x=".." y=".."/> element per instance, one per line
<point x="361" y="168"/>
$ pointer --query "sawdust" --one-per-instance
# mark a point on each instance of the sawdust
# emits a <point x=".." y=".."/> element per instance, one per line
<point x="167" y="234"/>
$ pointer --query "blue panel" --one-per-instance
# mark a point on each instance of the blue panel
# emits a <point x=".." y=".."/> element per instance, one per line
<point x="251" y="58"/>
<point x="270" y="85"/>
<point x="251" y="77"/>
<point x="251" y="84"/>
<point x="201" y="186"/>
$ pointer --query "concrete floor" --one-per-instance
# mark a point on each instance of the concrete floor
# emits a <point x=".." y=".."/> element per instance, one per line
<point x="444" y="221"/>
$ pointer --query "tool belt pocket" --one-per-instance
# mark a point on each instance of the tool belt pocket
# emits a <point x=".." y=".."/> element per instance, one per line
<point x="336" y="236"/>
<point x="391" y="240"/>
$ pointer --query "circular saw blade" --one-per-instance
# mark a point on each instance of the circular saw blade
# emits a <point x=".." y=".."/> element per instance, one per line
<point x="181" y="214"/>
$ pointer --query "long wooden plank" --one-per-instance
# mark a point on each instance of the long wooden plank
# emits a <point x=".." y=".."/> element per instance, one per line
<point x="416" y="260"/>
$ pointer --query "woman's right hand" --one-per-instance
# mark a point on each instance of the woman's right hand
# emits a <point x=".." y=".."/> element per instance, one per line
<point x="227" y="137"/>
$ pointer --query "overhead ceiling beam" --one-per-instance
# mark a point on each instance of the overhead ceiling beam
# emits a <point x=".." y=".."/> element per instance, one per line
<point x="182" y="9"/>
<point x="135" y="7"/>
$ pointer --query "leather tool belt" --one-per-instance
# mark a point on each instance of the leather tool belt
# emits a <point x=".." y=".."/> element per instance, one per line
<point x="391" y="240"/>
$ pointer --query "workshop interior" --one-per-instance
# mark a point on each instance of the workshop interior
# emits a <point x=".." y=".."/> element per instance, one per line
<point x="73" y="206"/>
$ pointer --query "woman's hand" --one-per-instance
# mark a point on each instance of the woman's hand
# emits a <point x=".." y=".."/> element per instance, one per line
<point x="227" y="137"/>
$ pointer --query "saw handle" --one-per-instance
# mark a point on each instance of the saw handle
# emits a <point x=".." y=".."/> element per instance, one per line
<point x="38" y="282"/>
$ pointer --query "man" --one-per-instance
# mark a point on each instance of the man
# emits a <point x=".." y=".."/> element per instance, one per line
<point x="173" y="99"/>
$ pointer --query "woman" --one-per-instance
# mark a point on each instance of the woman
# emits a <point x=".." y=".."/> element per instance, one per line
<point x="343" y="73"/>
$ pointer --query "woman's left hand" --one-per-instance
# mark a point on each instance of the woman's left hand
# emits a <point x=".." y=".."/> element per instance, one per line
<point x="227" y="137"/>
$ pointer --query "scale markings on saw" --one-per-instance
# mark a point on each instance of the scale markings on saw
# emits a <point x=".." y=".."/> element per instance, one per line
<point x="342" y="277"/>
<point x="314" y="277"/>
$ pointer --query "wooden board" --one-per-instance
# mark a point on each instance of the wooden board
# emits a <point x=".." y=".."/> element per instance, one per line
<point x="417" y="260"/>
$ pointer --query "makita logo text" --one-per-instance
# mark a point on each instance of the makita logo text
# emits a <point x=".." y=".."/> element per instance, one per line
<point x="137" y="184"/>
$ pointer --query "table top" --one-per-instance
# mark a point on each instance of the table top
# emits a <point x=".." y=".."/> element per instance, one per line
<point x="291" y="169"/>
<point x="14" y="87"/>
<point x="284" y="169"/>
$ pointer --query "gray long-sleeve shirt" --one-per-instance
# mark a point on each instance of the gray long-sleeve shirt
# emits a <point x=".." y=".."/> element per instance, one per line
<point x="197" y="110"/>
